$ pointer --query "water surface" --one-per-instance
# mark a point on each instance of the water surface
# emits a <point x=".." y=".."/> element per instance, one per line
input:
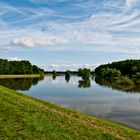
<point x="85" y="96"/>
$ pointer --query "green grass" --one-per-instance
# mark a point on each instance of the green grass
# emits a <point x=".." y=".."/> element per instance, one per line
<point x="22" y="117"/>
<point x="20" y="76"/>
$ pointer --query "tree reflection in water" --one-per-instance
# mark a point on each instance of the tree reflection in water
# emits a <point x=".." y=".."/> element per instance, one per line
<point x="67" y="78"/>
<point x="20" y="83"/>
<point x="54" y="77"/>
<point x="84" y="83"/>
<point x="108" y="82"/>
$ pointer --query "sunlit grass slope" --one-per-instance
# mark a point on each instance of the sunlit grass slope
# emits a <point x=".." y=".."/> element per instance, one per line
<point x="20" y="76"/>
<point x="22" y="117"/>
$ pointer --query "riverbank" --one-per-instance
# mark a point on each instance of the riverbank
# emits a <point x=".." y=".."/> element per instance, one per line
<point x="20" y="76"/>
<point x="22" y="117"/>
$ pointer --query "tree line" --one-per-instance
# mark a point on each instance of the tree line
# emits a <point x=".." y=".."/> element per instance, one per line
<point x="18" y="67"/>
<point x="128" y="68"/>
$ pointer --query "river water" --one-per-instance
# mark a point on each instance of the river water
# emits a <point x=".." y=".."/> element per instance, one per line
<point x="86" y="96"/>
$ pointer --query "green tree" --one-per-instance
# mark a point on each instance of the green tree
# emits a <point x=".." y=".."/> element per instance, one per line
<point x="84" y="73"/>
<point x="127" y="67"/>
<point x="109" y="72"/>
<point x="54" y="74"/>
<point x="136" y="78"/>
<point x="18" y="67"/>
<point x="67" y="75"/>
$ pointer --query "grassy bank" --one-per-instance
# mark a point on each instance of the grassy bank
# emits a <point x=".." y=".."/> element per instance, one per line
<point x="20" y="76"/>
<point x="22" y="117"/>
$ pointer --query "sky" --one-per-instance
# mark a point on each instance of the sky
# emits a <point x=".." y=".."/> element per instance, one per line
<point x="68" y="34"/>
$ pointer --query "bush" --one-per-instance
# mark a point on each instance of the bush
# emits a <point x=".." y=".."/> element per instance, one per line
<point x="136" y="78"/>
<point x="54" y="73"/>
<point x="124" y="81"/>
<point x="127" y="67"/>
<point x="84" y="73"/>
<point x="109" y="72"/>
<point x="67" y="75"/>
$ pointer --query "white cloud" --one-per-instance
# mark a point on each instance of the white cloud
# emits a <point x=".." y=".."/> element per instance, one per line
<point x="14" y="59"/>
<point x="33" y="42"/>
<point x="93" y="38"/>
<point x="64" y="67"/>
<point x="28" y="42"/>
<point x="100" y="28"/>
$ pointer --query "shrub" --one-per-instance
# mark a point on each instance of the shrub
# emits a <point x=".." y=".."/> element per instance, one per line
<point x="136" y="78"/>
<point x="84" y="73"/>
<point x="109" y="72"/>
<point x="67" y="75"/>
<point x="124" y="81"/>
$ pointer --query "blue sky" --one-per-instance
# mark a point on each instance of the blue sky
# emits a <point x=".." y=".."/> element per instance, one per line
<point x="64" y="34"/>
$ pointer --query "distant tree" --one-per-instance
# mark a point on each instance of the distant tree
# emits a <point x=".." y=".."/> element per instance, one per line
<point x="136" y="78"/>
<point x="18" y="67"/>
<point x="109" y="72"/>
<point x="54" y="74"/>
<point x="134" y="69"/>
<point x="92" y="73"/>
<point x="67" y="75"/>
<point x="35" y="69"/>
<point x="84" y="73"/>
<point x="127" y="67"/>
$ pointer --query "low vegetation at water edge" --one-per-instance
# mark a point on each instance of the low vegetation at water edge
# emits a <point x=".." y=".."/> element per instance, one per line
<point x="126" y="72"/>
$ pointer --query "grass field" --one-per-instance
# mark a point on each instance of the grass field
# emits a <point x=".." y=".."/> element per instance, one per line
<point x="22" y="117"/>
<point x="20" y="76"/>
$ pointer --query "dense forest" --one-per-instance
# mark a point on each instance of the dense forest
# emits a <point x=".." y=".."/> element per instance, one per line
<point x="128" y="68"/>
<point x="123" y="74"/>
<point x="18" y="67"/>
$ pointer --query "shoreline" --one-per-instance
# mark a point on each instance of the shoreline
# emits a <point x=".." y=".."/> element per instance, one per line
<point x="25" y="117"/>
<point x="19" y="76"/>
